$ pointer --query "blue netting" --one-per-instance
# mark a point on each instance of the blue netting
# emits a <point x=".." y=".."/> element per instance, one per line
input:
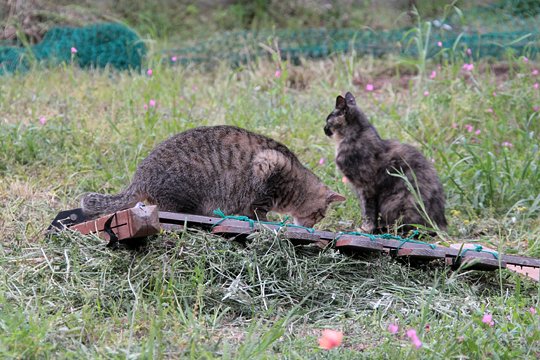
<point x="97" y="45"/>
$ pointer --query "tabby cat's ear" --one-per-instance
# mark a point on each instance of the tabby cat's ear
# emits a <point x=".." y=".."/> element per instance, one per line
<point x="351" y="101"/>
<point x="340" y="102"/>
<point x="335" y="197"/>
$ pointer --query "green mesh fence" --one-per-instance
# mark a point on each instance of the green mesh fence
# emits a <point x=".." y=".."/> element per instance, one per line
<point x="488" y="31"/>
<point x="97" y="45"/>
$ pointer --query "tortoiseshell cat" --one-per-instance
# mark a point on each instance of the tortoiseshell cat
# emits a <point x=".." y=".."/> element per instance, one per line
<point x="368" y="162"/>
<point x="206" y="168"/>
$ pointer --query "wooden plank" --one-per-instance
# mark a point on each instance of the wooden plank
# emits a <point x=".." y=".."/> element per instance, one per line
<point x="420" y="254"/>
<point x="521" y="261"/>
<point x="358" y="244"/>
<point x="126" y="224"/>
<point x="232" y="231"/>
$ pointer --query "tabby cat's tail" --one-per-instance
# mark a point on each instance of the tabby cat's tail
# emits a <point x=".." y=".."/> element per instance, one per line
<point x="94" y="204"/>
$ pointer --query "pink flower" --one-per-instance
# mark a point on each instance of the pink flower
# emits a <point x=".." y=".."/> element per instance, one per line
<point x="489" y="110"/>
<point x="416" y="342"/>
<point x="370" y="87"/>
<point x="173" y="58"/>
<point x="536" y="108"/>
<point x="149" y="72"/>
<point x="393" y="328"/>
<point x="469" y="52"/>
<point x="344" y="180"/>
<point x="411" y="333"/>
<point x="152" y="103"/>
<point x="145" y="107"/>
<point x="507" y="144"/>
<point x="42" y="120"/>
<point x="454" y="125"/>
<point x="532" y="310"/>
<point x="321" y="161"/>
<point x="525" y="59"/>
<point x="439" y="43"/>
<point x="494" y="93"/>
<point x="468" y="67"/>
<point x="73" y="50"/>
<point x="477" y="132"/>
<point x="433" y="75"/>
<point x="426" y="93"/>
<point x="536" y="86"/>
<point x="330" y="339"/>
<point x="535" y="72"/>
<point x="488" y="319"/>
<point x="469" y="128"/>
<point x="277" y="74"/>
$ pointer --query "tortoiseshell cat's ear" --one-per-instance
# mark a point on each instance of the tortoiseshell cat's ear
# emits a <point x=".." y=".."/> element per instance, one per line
<point x="340" y="102"/>
<point x="351" y="101"/>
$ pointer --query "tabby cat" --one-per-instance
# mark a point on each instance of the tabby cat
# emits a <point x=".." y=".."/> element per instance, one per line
<point x="371" y="165"/>
<point x="225" y="167"/>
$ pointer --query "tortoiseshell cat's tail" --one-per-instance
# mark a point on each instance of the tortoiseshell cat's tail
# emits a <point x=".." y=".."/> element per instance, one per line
<point x="95" y="204"/>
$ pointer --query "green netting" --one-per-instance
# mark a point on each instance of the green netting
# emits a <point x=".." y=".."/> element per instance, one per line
<point x="97" y="45"/>
<point x="489" y="31"/>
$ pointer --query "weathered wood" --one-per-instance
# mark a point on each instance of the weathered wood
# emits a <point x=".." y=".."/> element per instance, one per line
<point x="126" y="224"/>
<point x="421" y="254"/>
<point x="358" y="244"/>
<point x="144" y="221"/>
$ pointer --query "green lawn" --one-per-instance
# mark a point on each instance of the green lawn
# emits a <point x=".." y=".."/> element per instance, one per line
<point x="194" y="295"/>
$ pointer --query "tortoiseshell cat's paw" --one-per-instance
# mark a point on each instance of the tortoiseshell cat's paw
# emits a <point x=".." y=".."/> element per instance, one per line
<point x="366" y="227"/>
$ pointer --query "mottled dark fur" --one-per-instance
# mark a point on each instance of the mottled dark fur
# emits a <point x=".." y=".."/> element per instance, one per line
<point x="367" y="161"/>
<point x="224" y="167"/>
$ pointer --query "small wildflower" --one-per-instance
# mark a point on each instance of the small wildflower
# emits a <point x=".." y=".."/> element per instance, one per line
<point x="455" y="212"/>
<point x="468" y="67"/>
<point x="460" y="339"/>
<point x="469" y="128"/>
<point x="522" y="209"/>
<point x="370" y="87"/>
<point x="489" y="110"/>
<point x="416" y="342"/>
<point x="411" y="333"/>
<point x="73" y="50"/>
<point x="469" y="51"/>
<point x="152" y="103"/>
<point x="433" y="75"/>
<point x="532" y="310"/>
<point x="427" y="328"/>
<point x="330" y="339"/>
<point x="439" y="43"/>
<point x="535" y="72"/>
<point x="277" y="74"/>
<point x="536" y="108"/>
<point x="525" y="59"/>
<point x="488" y="319"/>
<point x="507" y="144"/>
<point x="494" y="93"/>
<point x="477" y="132"/>
<point x="344" y="180"/>
<point x="426" y="93"/>
<point x="173" y="58"/>
<point x="536" y="86"/>
<point x="149" y="72"/>
<point x="42" y="120"/>
<point x="321" y="161"/>
<point x="393" y="328"/>
<point x="466" y="222"/>
<point x="454" y="126"/>
<point x="145" y="107"/>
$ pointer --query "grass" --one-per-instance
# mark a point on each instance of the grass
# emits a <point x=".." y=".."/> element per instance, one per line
<point x="194" y="295"/>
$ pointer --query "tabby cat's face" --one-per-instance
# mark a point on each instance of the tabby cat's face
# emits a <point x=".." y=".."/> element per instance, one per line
<point x="314" y="208"/>
<point x="336" y="121"/>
